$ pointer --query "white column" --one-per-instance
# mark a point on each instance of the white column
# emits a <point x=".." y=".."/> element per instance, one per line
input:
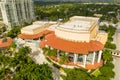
<point x="51" y="48"/>
<point x="58" y="51"/>
<point x="84" y="62"/>
<point x="99" y="56"/>
<point x="66" y="53"/>
<point x="75" y="58"/>
<point x="93" y="59"/>
<point x="46" y="46"/>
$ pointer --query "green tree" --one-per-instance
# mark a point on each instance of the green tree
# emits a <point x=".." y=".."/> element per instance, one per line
<point x="13" y="32"/>
<point x="24" y="50"/>
<point x="4" y="60"/>
<point x="110" y="45"/>
<point x="104" y="27"/>
<point x="5" y="74"/>
<point x="107" y="72"/>
<point x="53" y="52"/>
<point x="111" y="30"/>
<point x="63" y="58"/>
<point x="107" y="56"/>
<point x="76" y="74"/>
<point x="115" y="20"/>
<point x="26" y="69"/>
<point x="34" y="72"/>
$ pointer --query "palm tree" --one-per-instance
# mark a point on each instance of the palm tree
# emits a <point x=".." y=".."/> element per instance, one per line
<point x="24" y="50"/>
<point x="5" y="73"/>
<point x="1" y="60"/>
<point x="24" y="68"/>
<point x="34" y="72"/>
<point x="45" y="50"/>
<point x="11" y="48"/>
<point x="63" y="58"/>
<point x="13" y="63"/>
<point x="4" y="60"/>
<point x="107" y="56"/>
<point x="53" y="52"/>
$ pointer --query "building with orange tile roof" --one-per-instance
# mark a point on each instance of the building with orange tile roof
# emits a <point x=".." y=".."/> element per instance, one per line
<point x="81" y="41"/>
<point x="5" y="42"/>
<point x="36" y="30"/>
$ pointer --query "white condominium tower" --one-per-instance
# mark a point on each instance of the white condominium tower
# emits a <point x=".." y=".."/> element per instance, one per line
<point x="17" y="12"/>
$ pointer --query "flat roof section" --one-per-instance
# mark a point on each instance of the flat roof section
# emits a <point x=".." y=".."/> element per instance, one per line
<point x="44" y="22"/>
<point x="84" y="18"/>
<point x="77" y="25"/>
<point x="31" y="27"/>
<point x="80" y="23"/>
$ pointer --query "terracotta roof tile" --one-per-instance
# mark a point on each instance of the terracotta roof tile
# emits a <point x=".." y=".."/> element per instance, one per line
<point x="34" y="36"/>
<point x="42" y="45"/>
<point x="5" y="44"/>
<point x="70" y="46"/>
<point x="95" y="66"/>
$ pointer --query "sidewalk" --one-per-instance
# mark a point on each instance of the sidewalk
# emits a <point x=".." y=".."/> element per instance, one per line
<point x="39" y="58"/>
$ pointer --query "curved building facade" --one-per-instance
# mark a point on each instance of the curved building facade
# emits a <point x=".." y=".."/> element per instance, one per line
<point x="78" y="39"/>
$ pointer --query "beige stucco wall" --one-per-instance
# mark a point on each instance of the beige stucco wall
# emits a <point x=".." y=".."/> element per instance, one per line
<point x="72" y="36"/>
<point x="27" y="31"/>
<point x="38" y="30"/>
<point x="37" y="27"/>
<point x="93" y="31"/>
<point x="102" y="37"/>
<point x="33" y="31"/>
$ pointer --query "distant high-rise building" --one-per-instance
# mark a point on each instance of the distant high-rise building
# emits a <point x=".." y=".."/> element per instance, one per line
<point x="17" y="12"/>
<point x="0" y="15"/>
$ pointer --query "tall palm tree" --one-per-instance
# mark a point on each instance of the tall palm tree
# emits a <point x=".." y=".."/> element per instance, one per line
<point x="12" y="48"/>
<point x="4" y="60"/>
<point x="45" y="50"/>
<point x="63" y="58"/>
<point x="5" y="73"/>
<point x="24" y="67"/>
<point x="25" y="50"/>
<point x="107" y="56"/>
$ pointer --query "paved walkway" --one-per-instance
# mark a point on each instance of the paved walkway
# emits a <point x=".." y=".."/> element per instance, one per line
<point x="39" y="58"/>
<point x="116" y="61"/>
<point x="56" y="73"/>
<point x="117" y="37"/>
